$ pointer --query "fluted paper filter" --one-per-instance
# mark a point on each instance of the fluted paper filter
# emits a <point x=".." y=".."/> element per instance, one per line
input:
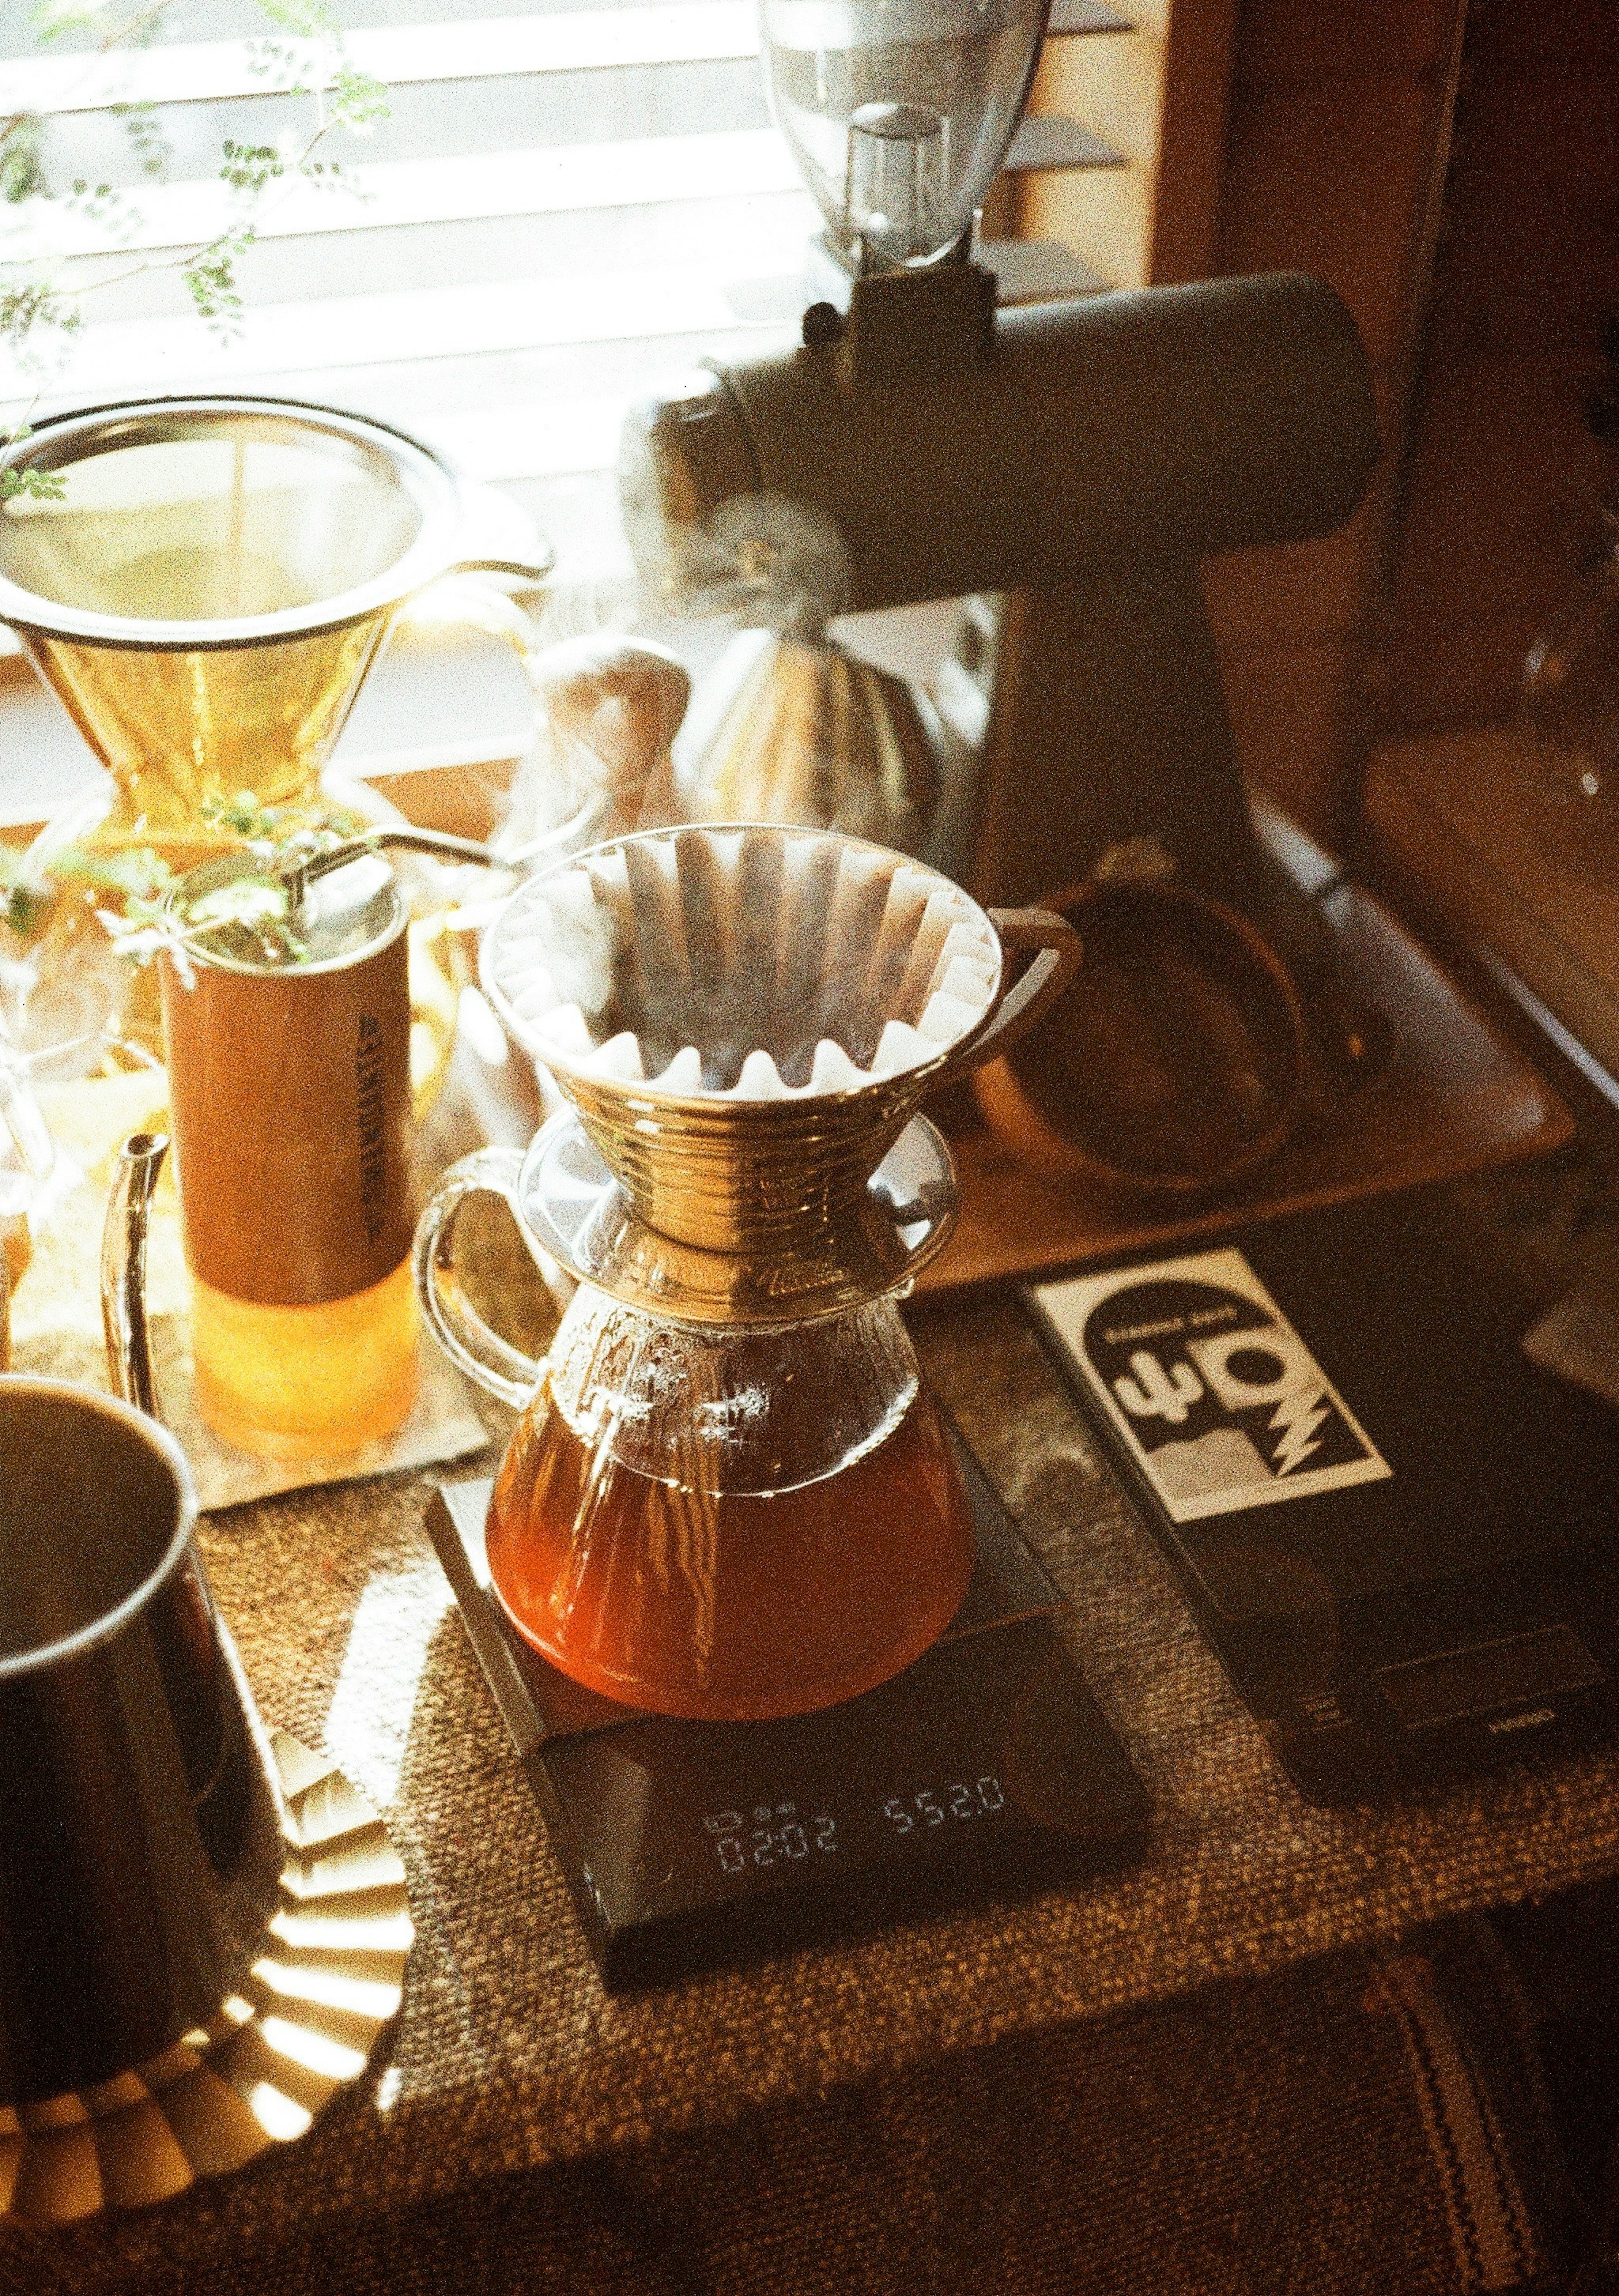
<point x="753" y="963"/>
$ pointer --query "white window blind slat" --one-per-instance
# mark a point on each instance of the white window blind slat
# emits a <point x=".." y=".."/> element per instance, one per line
<point x="444" y="322"/>
<point x="568" y="178"/>
<point x="504" y="303"/>
<point x="567" y="204"/>
<point x="498" y="47"/>
<point x="523" y="256"/>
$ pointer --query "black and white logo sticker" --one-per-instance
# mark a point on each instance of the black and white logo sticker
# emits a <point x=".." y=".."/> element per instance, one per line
<point x="1218" y="1398"/>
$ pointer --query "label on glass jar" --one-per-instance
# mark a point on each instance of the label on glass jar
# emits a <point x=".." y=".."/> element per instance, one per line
<point x="291" y="1097"/>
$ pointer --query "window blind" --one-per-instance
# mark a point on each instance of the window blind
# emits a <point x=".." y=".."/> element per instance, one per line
<point x="563" y="204"/>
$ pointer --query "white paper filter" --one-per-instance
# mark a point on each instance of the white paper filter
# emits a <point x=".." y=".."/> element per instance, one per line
<point x="749" y="963"/>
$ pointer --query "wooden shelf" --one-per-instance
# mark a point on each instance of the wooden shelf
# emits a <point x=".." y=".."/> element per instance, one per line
<point x="1466" y="818"/>
<point x="1047" y="142"/>
<point x="1085" y="17"/>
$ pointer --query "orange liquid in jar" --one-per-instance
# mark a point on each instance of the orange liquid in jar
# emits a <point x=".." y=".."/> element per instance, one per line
<point x="306" y="1382"/>
<point x="730" y="1606"/>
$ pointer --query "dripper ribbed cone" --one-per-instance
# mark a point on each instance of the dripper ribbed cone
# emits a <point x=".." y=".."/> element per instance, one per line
<point x="746" y="1019"/>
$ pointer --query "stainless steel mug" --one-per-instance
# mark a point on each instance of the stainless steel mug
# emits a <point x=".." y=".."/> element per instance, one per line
<point x="141" y="1841"/>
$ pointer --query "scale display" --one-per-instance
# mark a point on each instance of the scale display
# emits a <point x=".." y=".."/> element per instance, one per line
<point x="984" y="1770"/>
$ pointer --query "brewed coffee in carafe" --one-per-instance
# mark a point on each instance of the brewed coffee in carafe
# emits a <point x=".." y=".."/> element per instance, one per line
<point x="730" y="1496"/>
<point x="664" y="1559"/>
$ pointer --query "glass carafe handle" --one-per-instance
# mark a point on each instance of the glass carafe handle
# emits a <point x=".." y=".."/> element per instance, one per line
<point x="489" y="1361"/>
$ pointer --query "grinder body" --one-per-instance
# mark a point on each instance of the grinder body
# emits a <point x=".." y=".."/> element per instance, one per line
<point x="1083" y="456"/>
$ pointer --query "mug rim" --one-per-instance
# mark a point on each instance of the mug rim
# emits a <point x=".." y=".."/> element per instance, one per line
<point x="913" y="1083"/>
<point x="232" y="866"/>
<point x="111" y="1622"/>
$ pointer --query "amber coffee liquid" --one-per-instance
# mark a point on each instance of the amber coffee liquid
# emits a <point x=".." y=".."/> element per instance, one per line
<point x="306" y="1382"/>
<point x="735" y="1605"/>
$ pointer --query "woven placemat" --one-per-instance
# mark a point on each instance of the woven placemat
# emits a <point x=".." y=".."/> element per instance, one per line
<point x="509" y="2052"/>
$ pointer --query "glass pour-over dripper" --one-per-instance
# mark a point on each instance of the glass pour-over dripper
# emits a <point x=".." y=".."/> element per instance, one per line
<point x="730" y="1495"/>
<point x="206" y="590"/>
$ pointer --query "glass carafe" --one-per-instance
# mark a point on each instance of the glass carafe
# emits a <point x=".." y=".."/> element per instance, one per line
<point x="729" y="1496"/>
<point x="727" y="1521"/>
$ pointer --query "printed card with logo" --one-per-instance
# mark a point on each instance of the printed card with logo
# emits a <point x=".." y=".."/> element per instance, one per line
<point x="1220" y="1401"/>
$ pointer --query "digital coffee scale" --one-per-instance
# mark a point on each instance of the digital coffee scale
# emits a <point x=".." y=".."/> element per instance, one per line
<point x="985" y="1769"/>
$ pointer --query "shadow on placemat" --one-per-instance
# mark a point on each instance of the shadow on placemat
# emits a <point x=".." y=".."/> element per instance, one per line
<point x="1372" y="2122"/>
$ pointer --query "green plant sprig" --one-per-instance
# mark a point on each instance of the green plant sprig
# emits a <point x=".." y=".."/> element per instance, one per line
<point x="131" y="889"/>
<point x="303" y="57"/>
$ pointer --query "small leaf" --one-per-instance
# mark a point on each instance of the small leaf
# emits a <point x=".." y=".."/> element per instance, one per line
<point x="358" y="100"/>
<point x="21" y="167"/>
<point x="38" y="486"/>
<point x="310" y="20"/>
<point x="52" y="18"/>
<point x="35" y="308"/>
